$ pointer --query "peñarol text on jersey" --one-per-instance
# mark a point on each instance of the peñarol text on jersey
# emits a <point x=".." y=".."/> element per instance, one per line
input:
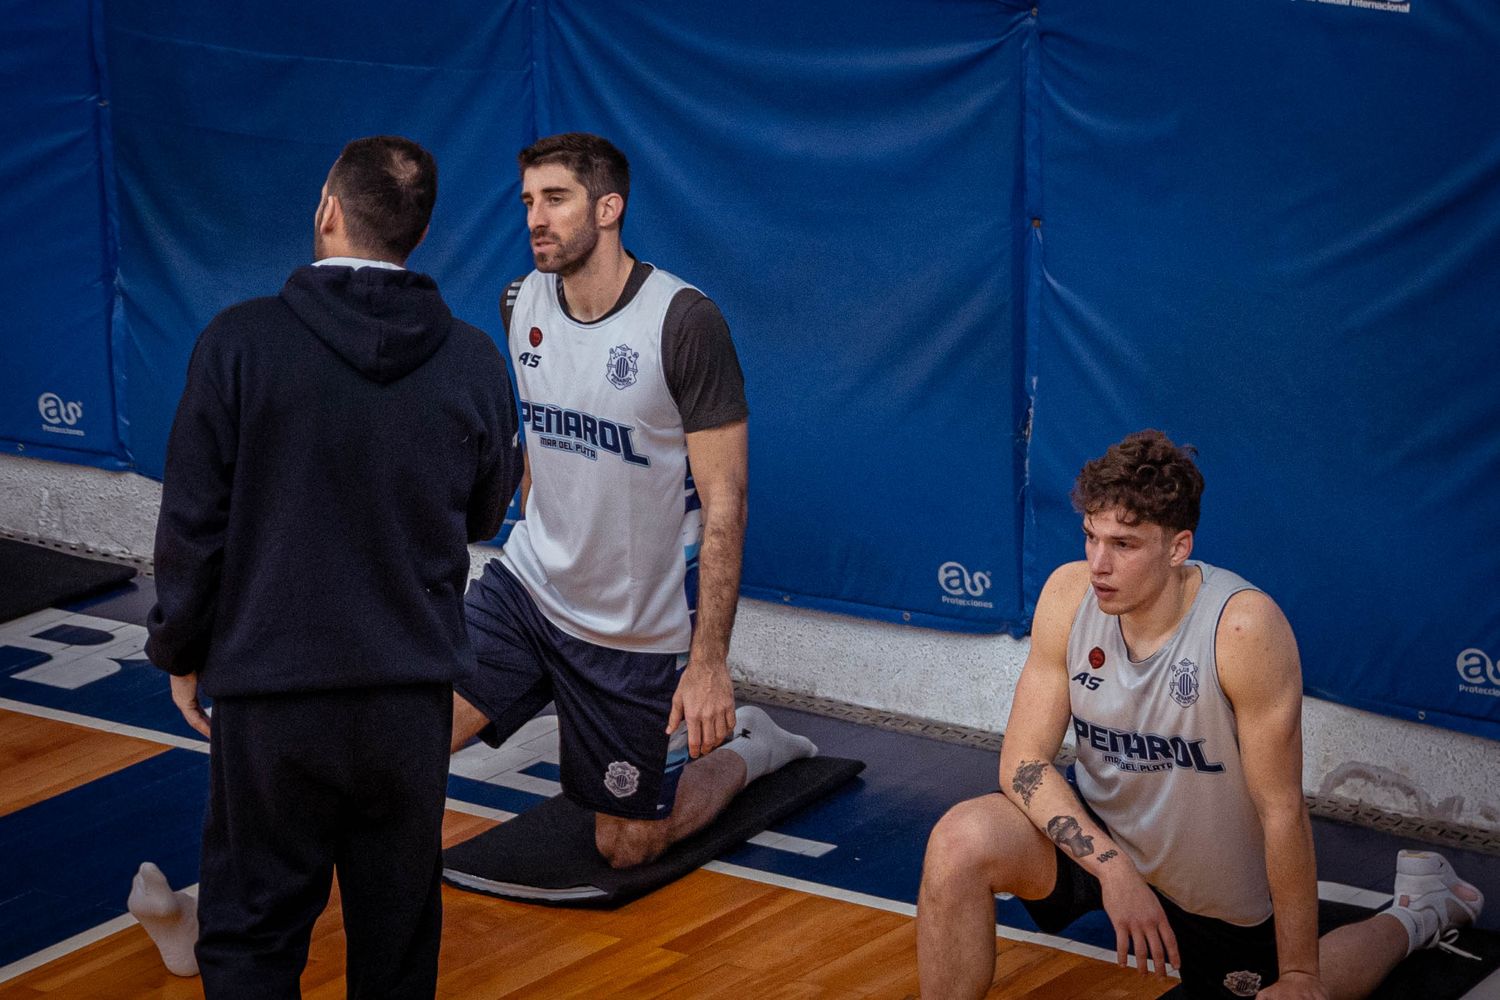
<point x="563" y="429"/>
<point x="1144" y="751"/>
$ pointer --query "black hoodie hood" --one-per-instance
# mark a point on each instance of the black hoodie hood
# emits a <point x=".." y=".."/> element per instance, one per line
<point x="385" y="323"/>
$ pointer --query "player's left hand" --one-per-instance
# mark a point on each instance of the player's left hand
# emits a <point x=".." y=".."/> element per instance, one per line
<point x="705" y="698"/>
<point x="185" y="697"/>
<point x="1295" y="986"/>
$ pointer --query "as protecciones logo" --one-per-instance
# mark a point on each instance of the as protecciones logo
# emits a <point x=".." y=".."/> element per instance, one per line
<point x="1478" y="673"/>
<point x="962" y="587"/>
<point x="58" y="415"/>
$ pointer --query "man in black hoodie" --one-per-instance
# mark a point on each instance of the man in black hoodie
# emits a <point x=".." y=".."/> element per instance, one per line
<point x="335" y="449"/>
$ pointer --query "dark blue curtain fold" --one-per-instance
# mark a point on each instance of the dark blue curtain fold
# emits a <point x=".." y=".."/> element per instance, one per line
<point x="57" y="391"/>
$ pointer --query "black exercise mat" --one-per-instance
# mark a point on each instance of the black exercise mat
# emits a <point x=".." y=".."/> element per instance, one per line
<point x="33" y="578"/>
<point x="547" y="854"/>
<point x="1430" y="974"/>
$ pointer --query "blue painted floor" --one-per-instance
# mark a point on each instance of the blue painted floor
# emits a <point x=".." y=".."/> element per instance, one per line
<point x="69" y="859"/>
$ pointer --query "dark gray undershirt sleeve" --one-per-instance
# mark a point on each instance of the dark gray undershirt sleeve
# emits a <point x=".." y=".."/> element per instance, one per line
<point x="702" y="369"/>
<point x="508" y="306"/>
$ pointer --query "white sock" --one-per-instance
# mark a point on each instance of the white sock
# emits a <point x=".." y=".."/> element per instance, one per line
<point x="1425" y="901"/>
<point x="1418" y="930"/>
<point x="763" y="745"/>
<point x="171" y="918"/>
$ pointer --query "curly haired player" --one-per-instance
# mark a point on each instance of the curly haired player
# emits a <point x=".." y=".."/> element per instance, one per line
<point x="1185" y="822"/>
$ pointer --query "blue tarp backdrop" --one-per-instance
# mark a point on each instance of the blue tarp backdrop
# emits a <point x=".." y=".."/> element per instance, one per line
<point x="60" y="370"/>
<point x="963" y="245"/>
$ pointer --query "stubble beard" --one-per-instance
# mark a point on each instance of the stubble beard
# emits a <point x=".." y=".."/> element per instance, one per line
<point x="571" y="255"/>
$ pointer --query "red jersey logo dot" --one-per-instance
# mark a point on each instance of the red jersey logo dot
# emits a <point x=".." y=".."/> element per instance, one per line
<point x="1096" y="657"/>
<point x="536" y="337"/>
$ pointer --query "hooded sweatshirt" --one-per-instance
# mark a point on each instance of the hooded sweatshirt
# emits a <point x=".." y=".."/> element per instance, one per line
<point x="335" y="449"/>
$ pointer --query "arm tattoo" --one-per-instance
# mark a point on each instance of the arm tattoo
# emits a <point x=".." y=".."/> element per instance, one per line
<point x="1065" y="832"/>
<point x="1106" y="856"/>
<point x="1028" y="777"/>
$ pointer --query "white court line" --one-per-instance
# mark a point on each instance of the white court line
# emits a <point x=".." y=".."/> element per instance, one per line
<point x="1487" y="990"/>
<point x="792" y="845"/>
<point x="471" y="809"/>
<point x="904" y="909"/>
<point x="479" y="762"/>
<point x="510" y="780"/>
<point x="63" y="948"/>
<point x="1336" y="892"/>
<point x="519" y="782"/>
<point x="514" y="780"/>
<point x="104" y="725"/>
<point x="812" y="888"/>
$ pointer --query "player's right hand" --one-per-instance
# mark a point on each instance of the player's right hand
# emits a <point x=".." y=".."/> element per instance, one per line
<point x="185" y="697"/>
<point x="1140" y="923"/>
<point x="705" y="701"/>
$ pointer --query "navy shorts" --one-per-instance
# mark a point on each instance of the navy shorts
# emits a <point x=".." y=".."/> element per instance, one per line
<point x="1220" y="960"/>
<point x="612" y="705"/>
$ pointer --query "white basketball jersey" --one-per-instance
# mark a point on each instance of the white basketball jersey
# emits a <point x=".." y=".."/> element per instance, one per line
<point x="1159" y="757"/>
<point x="612" y="525"/>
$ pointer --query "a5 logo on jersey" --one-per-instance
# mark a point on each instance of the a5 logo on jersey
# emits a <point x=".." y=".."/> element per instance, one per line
<point x="1091" y="681"/>
<point x="531" y="359"/>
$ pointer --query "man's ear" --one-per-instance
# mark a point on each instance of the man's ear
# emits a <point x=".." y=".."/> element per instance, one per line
<point x="1182" y="547"/>
<point x="332" y="219"/>
<point x="607" y="210"/>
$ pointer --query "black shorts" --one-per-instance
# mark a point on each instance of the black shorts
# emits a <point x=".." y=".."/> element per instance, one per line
<point x="612" y="705"/>
<point x="1220" y="960"/>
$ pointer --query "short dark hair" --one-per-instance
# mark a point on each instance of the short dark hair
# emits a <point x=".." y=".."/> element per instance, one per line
<point x="1146" y="476"/>
<point x="387" y="185"/>
<point x="595" y="162"/>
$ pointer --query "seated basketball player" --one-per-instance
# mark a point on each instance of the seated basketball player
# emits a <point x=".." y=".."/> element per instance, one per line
<point x="1187" y="824"/>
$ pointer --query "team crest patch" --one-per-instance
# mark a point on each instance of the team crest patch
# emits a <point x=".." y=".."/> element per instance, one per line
<point x="622" y="779"/>
<point x="622" y="369"/>
<point x="1185" y="682"/>
<point x="1243" y="984"/>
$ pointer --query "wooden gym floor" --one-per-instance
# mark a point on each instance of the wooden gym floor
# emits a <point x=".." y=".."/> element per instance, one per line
<point x="708" y="935"/>
<point x="97" y="773"/>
